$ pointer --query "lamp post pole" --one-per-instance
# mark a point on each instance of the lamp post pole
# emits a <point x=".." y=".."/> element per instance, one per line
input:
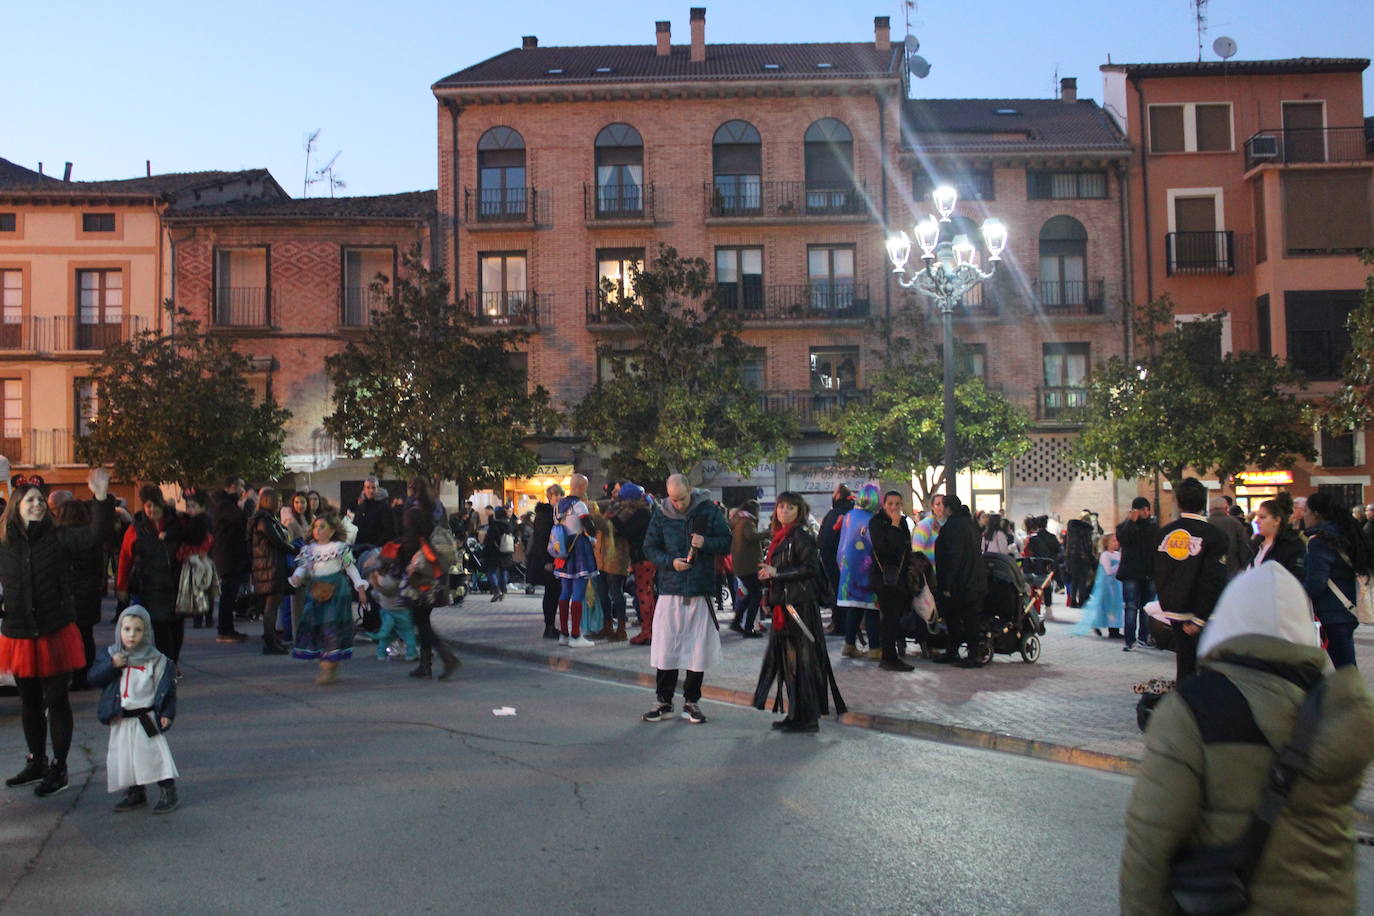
<point x="950" y="270"/>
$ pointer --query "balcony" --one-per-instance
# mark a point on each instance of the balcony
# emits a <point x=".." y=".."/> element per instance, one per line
<point x="786" y="201"/>
<point x="37" y="447"/>
<point x="359" y="302"/>
<point x="241" y="306"/>
<point x="808" y="406"/>
<point x="1308" y="144"/>
<point x="1195" y="253"/>
<point x="1061" y="404"/>
<point x="508" y="308"/>
<point x="619" y="203"/>
<point x="500" y="206"/>
<point x="63" y="334"/>
<point x="1072" y="297"/>
<point x="824" y="302"/>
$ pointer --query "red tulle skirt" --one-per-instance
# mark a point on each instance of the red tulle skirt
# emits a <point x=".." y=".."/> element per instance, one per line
<point x="53" y="653"/>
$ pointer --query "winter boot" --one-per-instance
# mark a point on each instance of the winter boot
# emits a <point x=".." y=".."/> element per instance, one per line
<point x="54" y="781"/>
<point x="133" y="797"/>
<point x="35" y="766"/>
<point x="168" y="802"/>
<point x="646" y="627"/>
<point x="618" y="635"/>
<point x="424" y="668"/>
<point x="449" y="660"/>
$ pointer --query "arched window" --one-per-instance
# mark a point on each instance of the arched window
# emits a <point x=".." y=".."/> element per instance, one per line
<point x="619" y="172"/>
<point x="501" y="190"/>
<point x="830" y="185"/>
<point x="1063" y="262"/>
<point x="736" y="161"/>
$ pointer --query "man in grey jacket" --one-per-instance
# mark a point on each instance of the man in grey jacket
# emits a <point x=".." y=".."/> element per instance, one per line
<point x="1237" y="535"/>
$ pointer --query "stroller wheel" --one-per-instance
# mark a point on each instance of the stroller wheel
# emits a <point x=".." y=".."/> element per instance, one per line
<point x="985" y="650"/>
<point x="1030" y="648"/>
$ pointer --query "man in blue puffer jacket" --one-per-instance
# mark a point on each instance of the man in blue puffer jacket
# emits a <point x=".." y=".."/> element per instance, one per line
<point x="686" y="533"/>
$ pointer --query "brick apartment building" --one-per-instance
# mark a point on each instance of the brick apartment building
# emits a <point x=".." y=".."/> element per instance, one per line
<point x="290" y="282"/>
<point x="1250" y="194"/>
<point x="83" y="264"/>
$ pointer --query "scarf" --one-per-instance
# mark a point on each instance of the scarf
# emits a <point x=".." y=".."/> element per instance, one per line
<point x="779" y="536"/>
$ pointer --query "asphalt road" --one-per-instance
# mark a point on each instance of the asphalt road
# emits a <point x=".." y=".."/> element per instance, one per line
<point x="383" y="794"/>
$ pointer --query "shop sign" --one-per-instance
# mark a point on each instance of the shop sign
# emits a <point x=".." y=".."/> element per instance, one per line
<point x="1265" y="478"/>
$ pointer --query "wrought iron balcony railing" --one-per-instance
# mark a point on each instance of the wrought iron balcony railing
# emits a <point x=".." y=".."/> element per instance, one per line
<point x="1308" y="144"/>
<point x="241" y="306"/>
<point x="1200" y="253"/>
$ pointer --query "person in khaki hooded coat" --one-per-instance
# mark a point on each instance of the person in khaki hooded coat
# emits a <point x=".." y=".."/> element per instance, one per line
<point x="1204" y="772"/>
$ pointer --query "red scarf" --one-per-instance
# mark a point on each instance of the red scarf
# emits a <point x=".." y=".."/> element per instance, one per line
<point x="779" y="535"/>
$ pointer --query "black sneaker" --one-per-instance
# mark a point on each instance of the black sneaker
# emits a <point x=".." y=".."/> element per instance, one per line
<point x="659" y="713"/>
<point x="133" y="797"/>
<point x="34" y="769"/>
<point x="801" y="728"/>
<point x="692" y="713"/>
<point x="168" y="801"/>
<point x="54" y="781"/>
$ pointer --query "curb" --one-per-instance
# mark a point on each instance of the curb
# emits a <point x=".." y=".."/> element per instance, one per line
<point x="916" y="728"/>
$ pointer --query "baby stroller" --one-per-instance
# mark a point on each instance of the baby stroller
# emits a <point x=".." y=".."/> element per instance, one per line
<point x="477" y="578"/>
<point x="1010" y="619"/>
<point x="1040" y="573"/>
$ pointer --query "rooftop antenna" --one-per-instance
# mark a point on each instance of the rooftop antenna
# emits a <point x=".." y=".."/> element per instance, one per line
<point x="310" y="140"/>
<point x="326" y="173"/>
<point x="916" y="65"/>
<point x="1200" y="14"/>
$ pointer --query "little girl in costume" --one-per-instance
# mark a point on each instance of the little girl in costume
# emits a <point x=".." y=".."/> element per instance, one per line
<point x="324" y="572"/>
<point x="1104" y="607"/>
<point x="139" y="703"/>
<point x="385" y="570"/>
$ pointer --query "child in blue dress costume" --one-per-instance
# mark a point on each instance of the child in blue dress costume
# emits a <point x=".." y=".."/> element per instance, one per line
<point x="1104" y="607"/>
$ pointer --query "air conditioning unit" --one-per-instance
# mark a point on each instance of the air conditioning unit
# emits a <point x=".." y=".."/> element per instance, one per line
<point x="1264" y="146"/>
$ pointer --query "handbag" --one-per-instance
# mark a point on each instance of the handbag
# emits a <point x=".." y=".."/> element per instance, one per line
<point x="321" y="591"/>
<point x="891" y="578"/>
<point x="1362" y="609"/>
<point x="1215" y="880"/>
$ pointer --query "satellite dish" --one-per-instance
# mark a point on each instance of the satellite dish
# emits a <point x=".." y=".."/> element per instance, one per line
<point x="918" y="66"/>
<point x="1225" y="47"/>
<point x="912" y="45"/>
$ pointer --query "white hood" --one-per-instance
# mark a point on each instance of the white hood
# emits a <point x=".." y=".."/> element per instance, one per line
<point x="1265" y="601"/>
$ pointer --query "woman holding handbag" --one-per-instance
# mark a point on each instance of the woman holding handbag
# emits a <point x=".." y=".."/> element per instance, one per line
<point x="1337" y="553"/>
<point x="891" y="576"/>
<point x="498" y="552"/>
<point x="1213" y="746"/>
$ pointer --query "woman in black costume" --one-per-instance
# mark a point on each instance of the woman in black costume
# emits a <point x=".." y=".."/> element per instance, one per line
<point x="796" y="657"/>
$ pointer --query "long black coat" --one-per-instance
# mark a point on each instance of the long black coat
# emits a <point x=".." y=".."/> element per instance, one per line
<point x="156" y="574"/>
<point x="828" y="540"/>
<point x="269" y="549"/>
<point x="537" y="551"/>
<point x="35" y="572"/>
<point x="793" y="662"/>
<point x="959" y="566"/>
<point x="230" y="527"/>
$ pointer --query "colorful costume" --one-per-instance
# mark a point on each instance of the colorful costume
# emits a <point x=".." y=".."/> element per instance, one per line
<point x="576" y="568"/>
<point x="1104" y="607"/>
<point x="327" y="577"/>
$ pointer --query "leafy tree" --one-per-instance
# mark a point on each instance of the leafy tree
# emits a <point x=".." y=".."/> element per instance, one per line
<point x="178" y="407"/>
<point x="424" y="394"/>
<point x="1181" y="406"/>
<point x="900" y="433"/>
<point x="1352" y="404"/>
<point x="680" y="396"/>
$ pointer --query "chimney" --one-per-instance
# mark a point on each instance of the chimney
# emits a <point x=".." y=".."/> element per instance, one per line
<point x="663" y="32"/>
<point x="529" y="41"/>
<point x="882" y="33"/>
<point x="698" y="34"/>
<point x="40" y="168"/>
<point x="1068" y="90"/>
<point x="67" y="172"/>
<point x="148" y="164"/>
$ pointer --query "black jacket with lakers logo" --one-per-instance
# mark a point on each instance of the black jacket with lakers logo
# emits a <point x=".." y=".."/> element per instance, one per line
<point x="1190" y="568"/>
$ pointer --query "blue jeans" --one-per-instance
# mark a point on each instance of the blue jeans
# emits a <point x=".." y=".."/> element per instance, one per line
<point x="853" y="615"/>
<point x="499" y="576"/>
<point x="1340" y="643"/>
<point x="1135" y="594"/>
<point x="749" y="606"/>
<point x="610" y="591"/>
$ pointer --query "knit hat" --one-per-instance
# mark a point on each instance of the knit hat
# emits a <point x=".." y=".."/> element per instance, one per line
<point x="630" y="492"/>
<point x="1140" y="502"/>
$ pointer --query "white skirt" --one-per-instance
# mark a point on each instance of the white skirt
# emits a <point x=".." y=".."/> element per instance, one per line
<point x="134" y="759"/>
<point x="684" y="636"/>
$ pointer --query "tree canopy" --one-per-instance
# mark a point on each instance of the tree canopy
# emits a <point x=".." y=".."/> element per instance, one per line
<point x="678" y="394"/>
<point x="426" y="393"/>
<point x="178" y="407"/>
<point x="1183" y="404"/>
<point x="900" y="433"/>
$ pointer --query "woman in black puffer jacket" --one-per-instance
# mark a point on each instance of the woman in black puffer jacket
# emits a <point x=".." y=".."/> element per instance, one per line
<point x="149" y="573"/>
<point x="269" y="550"/>
<point x="39" y="640"/>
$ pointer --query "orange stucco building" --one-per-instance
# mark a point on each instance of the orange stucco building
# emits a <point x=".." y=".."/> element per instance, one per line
<point x="1250" y="194"/>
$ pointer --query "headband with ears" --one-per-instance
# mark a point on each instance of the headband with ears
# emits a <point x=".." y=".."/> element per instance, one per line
<point x="19" y="480"/>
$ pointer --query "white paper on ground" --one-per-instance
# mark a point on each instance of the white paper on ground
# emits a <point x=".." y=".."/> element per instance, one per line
<point x="504" y="711"/>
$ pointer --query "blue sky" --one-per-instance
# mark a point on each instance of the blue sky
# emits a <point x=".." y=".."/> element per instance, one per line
<point x="198" y="86"/>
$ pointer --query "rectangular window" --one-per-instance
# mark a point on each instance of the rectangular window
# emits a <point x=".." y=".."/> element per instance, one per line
<point x="739" y="278"/>
<point x="1346" y="494"/>
<point x="12" y="421"/>
<point x="834" y="368"/>
<point x="830" y="272"/>
<point x="11" y="309"/>
<point x="615" y="365"/>
<point x="1065" y="185"/>
<point x="620" y="190"/>
<point x="363" y="269"/>
<point x="85" y="405"/>
<point x="241" y="287"/>
<point x="1336" y="450"/>
<point x="1190" y="128"/>
<point x="1261" y="229"/>
<point x="502" y="283"/>
<point x="97" y="222"/>
<point x="1318" y="339"/>
<point x="100" y="308"/>
<point x="618" y="267"/>
<point x="8" y="222"/>
<point x="501" y="185"/>
<point x="1065" y="379"/>
<point x="755" y="369"/>
<point x="969" y="359"/>
<point x="1326" y="212"/>
<point x="975" y="184"/>
<point x="1266" y="340"/>
<point x="1304" y="137"/>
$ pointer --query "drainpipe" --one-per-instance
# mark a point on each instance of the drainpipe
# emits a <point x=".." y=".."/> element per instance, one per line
<point x="880" y="99"/>
<point x="1123" y="181"/>
<point x="1145" y="192"/>
<point x="452" y="107"/>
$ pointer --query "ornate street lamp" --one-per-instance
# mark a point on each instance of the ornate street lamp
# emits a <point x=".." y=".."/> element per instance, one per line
<point x="951" y="270"/>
